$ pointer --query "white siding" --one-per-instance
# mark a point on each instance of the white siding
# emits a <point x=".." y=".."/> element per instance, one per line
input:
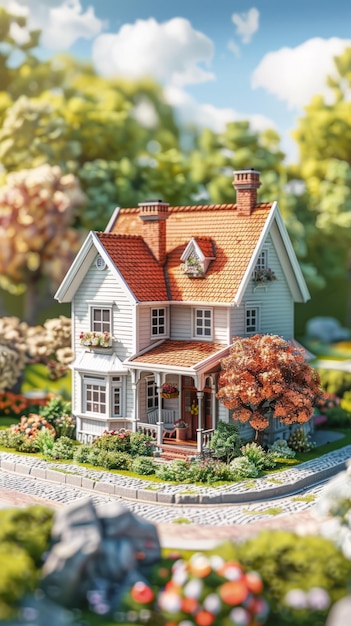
<point x="275" y="302"/>
<point x="101" y="287"/>
<point x="181" y="322"/>
<point x="145" y="338"/>
<point x="220" y="325"/>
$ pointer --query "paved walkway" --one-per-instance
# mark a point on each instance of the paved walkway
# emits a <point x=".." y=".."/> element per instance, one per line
<point x="186" y="515"/>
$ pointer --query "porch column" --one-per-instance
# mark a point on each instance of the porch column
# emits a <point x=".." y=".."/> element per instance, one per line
<point x="199" y="431"/>
<point x="214" y="404"/>
<point x="159" y="423"/>
<point x="135" y="411"/>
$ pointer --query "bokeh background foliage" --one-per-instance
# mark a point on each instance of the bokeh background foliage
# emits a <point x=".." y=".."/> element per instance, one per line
<point x="101" y="143"/>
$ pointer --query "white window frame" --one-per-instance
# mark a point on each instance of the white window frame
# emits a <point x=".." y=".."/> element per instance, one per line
<point x="196" y="327"/>
<point x="117" y="384"/>
<point x="104" y="326"/>
<point x="158" y="324"/>
<point x="151" y="398"/>
<point x="101" y="384"/>
<point x="249" y="308"/>
<point x="262" y="260"/>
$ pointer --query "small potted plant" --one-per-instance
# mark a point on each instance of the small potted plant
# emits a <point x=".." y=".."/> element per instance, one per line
<point x="181" y="430"/>
<point x="169" y="391"/>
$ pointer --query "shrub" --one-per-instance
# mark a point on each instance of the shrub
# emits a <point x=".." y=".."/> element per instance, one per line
<point x="141" y="445"/>
<point x="114" y="460"/>
<point x="81" y="454"/>
<point x="62" y="449"/>
<point x="31" y="425"/>
<point x="209" y="471"/>
<point x="226" y="441"/>
<point x="286" y="562"/>
<point x="21" y="550"/>
<point x="45" y="441"/>
<point x="300" y="441"/>
<point x="280" y="450"/>
<point x="242" y="467"/>
<point x="338" y="417"/>
<point x="345" y="402"/>
<point x="256" y="454"/>
<point x="114" y="440"/>
<point x="175" y="471"/>
<point x="58" y="413"/>
<point x="94" y="454"/>
<point x="144" y="466"/>
<point x="335" y="381"/>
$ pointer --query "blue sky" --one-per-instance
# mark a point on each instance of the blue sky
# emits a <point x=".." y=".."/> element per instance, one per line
<point x="218" y="61"/>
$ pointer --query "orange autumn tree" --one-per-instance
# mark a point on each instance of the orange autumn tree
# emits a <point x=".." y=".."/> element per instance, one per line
<point x="265" y="376"/>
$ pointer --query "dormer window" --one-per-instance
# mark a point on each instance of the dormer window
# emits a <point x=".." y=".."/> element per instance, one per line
<point x="263" y="274"/>
<point x="193" y="265"/>
<point x="197" y="256"/>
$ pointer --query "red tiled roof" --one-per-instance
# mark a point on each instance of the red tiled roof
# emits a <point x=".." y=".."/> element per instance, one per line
<point x="234" y="239"/>
<point x="140" y="270"/>
<point x="206" y="246"/>
<point x="179" y="353"/>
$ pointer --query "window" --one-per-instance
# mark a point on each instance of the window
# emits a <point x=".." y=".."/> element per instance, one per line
<point x="158" y="322"/>
<point x="252" y="320"/>
<point x="116" y="396"/>
<point x="203" y="323"/>
<point x="262" y="261"/>
<point x="101" y="320"/>
<point x="95" y="397"/>
<point x="152" y="395"/>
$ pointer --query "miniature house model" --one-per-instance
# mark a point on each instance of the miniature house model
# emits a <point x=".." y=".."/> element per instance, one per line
<point x="158" y="297"/>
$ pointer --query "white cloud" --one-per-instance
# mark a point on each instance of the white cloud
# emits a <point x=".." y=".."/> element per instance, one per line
<point x="234" y="48"/>
<point x="61" y="22"/>
<point x="189" y="111"/>
<point x="145" y="114"/>
<point x="295" y="75"/>
<point x="18" y="34"/>
<point x="246" y="24"/>
<point x="171" y="52"/>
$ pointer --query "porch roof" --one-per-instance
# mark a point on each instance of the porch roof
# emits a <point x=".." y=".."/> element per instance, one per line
<point x="99" y="363"/>
<point x="181" y="355"/>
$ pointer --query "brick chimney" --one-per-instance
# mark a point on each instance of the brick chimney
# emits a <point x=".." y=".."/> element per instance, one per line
<point x="246" y="183"/>
<point x="154" y="214"/>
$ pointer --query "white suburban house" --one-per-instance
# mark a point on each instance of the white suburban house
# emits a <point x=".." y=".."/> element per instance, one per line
<point x="156" y="301"/>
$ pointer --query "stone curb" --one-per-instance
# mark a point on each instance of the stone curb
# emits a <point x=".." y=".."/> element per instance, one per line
<point x="156" y="497"/>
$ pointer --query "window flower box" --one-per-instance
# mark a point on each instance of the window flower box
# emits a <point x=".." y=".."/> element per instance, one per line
<point x="95" y="340"/>
<point x="263" y="276"/>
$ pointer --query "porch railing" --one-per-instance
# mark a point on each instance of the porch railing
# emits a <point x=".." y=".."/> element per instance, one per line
<point x="203" y="438"/>
<point x="157" y="430"/>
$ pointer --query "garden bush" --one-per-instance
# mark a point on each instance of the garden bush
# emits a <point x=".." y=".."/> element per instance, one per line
<point x="287" y="562"/>
<point x="175" y="471"/>
<point x="280" y="450"/>
<point x="141" y="445"/>
<point x="300" y="441"/>
<point x="242" y="467"/>
<point x="225" y="443"/>
<point x="143" y="466"/>
<point x="338" y="417"/>
<point x="21" y="551"/>
<point x="81" y="453"/>
<point x="210" y="471"/>
<point x="58" y="413"/>
<point x="335" y="381"/>
<point x="114" y="460"/>
<point x="345" y="402"/>
<point x="257" y="455"/>
<point x="62" y="449"/>
<point x="45" y="441"/>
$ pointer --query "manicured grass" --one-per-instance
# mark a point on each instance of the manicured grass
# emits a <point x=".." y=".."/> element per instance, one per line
<point x="36" y="377"/>
<point x="328" y="447"/>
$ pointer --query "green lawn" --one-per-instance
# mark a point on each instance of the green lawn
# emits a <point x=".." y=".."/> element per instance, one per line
<point x="36" y="377"/>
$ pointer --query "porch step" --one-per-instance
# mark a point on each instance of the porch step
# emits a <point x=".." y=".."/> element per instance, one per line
<point x="171" y="452"/>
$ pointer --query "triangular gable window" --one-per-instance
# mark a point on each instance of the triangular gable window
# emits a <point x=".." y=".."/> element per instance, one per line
<point x="195" y="259"/>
